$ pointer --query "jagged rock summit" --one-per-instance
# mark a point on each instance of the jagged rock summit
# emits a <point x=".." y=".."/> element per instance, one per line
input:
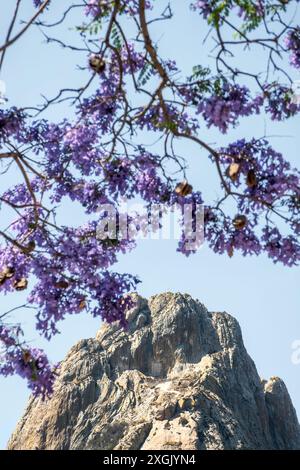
<point x="178" y="378"/>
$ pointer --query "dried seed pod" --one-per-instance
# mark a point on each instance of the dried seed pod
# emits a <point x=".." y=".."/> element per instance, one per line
<point x="9" y="272"/>
<point x="26" y="356"/>
<point x="183" y="189"/>
<point x="97" y="63"/>
<point x="6" y="274"/>
<point x="82" y="304"/>
<point x="251" y="179"/>
<point x="20" y="284"/>
<point x="240" y="222"/>
<point x="233" y="171"/>
<point x="61" y="284"/>
<point x="30" y="247"/>
<point x="3" y="279"/>
<point x="230" y="252"/>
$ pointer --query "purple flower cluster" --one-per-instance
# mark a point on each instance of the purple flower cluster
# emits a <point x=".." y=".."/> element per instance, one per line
<point x="39" y="3"/>
<point x="292" y="42"/>
<point x="281" y="102"/>
<point x="11" y="121"/>
<point x="205" y="7"/>
<point x="131" y="7"/>
<point x="155" y="119"/>
<point x="30" y="363"/>
<point x="257" y="8"/>
<point x="283" y="249"/>
<point x="272" y="178"/>
<point x="134" y="176"/>
<point x="71" y="277"/>
<point x="246" y="10"/>
<point x="264" y="180"/>
<point x="223" y="237"/>
<point x="97" y="8"/>
<point x="224" y="108"/>
<point x="33" y="365"/>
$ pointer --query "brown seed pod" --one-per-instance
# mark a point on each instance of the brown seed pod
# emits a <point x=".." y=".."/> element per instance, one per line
<point x="240" y="222"/>
<point x="26" y="356"/>
<point x="9" y="272"/>
<point x="82" y="304"/>
<point x="97" y="63"/>
<point x="6" y="274"/>
<point x="251" y="179"/>
<point x="183" y="189"/>
<point x="20" y="284"/>
<point x="230" y="252"/>
<point x="61" y="284"/>
<point x="233" y="171"/>
<point x="30" y="247"/>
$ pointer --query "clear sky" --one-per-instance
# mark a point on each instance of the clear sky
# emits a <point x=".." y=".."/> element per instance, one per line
<point x="264" y="297"/>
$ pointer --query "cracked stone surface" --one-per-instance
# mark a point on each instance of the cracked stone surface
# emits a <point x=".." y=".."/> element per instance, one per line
<point x="178" y="378"/>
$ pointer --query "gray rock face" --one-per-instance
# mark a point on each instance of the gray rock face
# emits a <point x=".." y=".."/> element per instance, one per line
<point x="178" y="378"/>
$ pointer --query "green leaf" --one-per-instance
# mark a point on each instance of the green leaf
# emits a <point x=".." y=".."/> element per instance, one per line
<point x="116" y="37"/>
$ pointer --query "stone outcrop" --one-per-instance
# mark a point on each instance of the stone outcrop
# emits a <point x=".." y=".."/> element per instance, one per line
<point x="178" y="378"/>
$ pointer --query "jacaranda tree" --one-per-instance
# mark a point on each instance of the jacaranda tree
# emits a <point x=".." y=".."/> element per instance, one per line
<point x="98" y="157"/>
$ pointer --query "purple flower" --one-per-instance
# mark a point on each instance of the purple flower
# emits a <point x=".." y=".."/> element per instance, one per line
<point x="281" y="101"/>
<point x="228" y="105"/>
<point x="292" y="42"/>
<point x="30" y="363"/>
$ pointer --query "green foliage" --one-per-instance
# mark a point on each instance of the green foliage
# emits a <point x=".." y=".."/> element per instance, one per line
<point x="199" y="73"/>
<point x="116" y="37"/>
<point x="252" y="17"/>
<point x="145" y="74"/>
<point x="93" y="28"/>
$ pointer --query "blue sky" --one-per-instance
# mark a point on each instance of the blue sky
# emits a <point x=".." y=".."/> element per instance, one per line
<point x="264" y="297"/>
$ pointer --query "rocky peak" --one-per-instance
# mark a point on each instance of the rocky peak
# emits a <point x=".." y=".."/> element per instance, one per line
<point x="178" y="377"/>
